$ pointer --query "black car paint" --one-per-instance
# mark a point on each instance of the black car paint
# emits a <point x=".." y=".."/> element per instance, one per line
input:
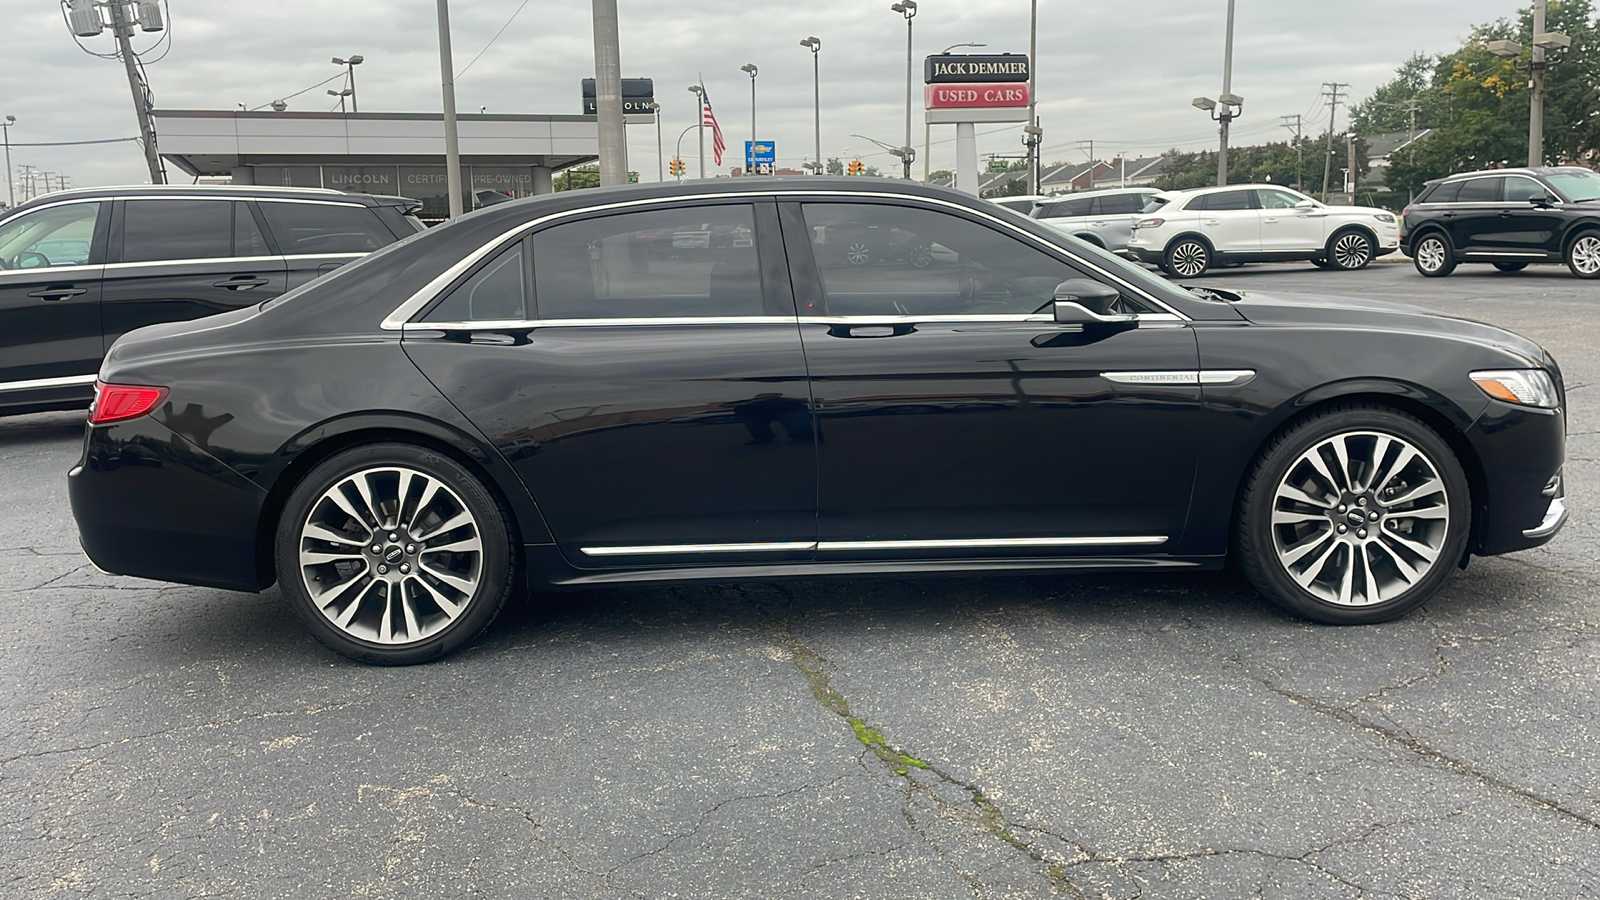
<point x="1498" y="231"/>
<point x="259" y="395"/>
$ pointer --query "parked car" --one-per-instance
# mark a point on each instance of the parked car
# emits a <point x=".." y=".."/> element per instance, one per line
<point x="1022" y="203"/>
<point x="511" y="401"/>
<point x="80" y="268"/>
<point x="1507" y="218"/>
<point x="1188" y="232"/>
<point x="1104" y="218"/>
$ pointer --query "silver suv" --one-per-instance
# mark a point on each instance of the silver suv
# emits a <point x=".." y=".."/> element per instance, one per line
<point x="1104" y="218"/>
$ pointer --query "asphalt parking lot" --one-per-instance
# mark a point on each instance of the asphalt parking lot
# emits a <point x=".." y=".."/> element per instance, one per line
<point x="1092" y="736"/>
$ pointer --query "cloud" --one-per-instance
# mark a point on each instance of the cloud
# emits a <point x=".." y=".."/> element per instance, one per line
<point x="1116" y="73"/>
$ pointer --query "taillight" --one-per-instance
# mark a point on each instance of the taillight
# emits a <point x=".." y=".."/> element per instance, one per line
<point x="118" y="402"/>
<point x="1150" y="223"/>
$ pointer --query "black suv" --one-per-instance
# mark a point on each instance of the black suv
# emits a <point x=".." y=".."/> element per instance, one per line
<point x="80" y="268"/>
<point x="1507" y="217"/>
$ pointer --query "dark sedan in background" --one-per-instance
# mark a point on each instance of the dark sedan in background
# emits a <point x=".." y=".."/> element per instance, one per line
<point x="1508" y="218"/>
<point x="532" y="397"/>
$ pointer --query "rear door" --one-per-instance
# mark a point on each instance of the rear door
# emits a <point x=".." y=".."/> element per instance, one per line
<point x="1230" y="220"/>
<point x="179" y="258"/>
<point x="318" y="236"/>
<point x="50" y="266"/>
<point x="1474" y="218"/>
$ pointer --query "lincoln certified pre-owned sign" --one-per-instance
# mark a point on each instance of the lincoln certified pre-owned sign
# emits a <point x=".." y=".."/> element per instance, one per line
<point x="975" y="68"/>
<point x="976" y="96"/>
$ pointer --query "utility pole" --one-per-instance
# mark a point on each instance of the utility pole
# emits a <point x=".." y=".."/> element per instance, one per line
<point x="1090" y="145"/>
<point x="11" y="192"/>
<point x="1536" y="67"/>
<point x="608" y="94"/>
<point x="26" y="181"/>
<point x="1300" y="152"/>
<point x="1333" y="91"/>
<point x="1351" y="174"/>
<point x="122" y="29"/>
<point x="452" y="141"/>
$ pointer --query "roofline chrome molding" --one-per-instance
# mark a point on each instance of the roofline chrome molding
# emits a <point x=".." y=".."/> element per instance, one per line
<point x="398" y="318"/>
<point x="226" y="199"/>
<point x="42" y="383"/>
<point x="220" y="188"/>
<point x="846" y="546"/>
<point x="1181" y="377"/>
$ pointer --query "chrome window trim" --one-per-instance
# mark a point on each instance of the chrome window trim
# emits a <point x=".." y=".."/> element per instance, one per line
<point x="53" y="270"/>
<point x="212" y="260"/>
<point x="837" y="546"/>
<point x="1182" y="377"/>
<point x="494" y="324"/>
<point x="40" y="383"/>
<point x="398" y="318"/>
<point x="18" y="212"/>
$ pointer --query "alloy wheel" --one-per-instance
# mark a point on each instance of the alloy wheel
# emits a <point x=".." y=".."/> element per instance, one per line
<point x="1584" y="257"/>
<point x="1352" y="251"/>
<point x="857" y="253"/>
<point x="1360" y="518"/>
<point x="390" y="555"/>
<point x="1189" y="259"/>
<point x="1431" y="254"/>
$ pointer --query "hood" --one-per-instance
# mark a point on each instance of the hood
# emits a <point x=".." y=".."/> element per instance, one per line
<point x="1286" y="309"/>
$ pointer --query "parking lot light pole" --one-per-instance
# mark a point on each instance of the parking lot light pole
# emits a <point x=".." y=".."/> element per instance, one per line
<point x="661" y="172"/>
<point x="11" y="192"/>
<point x="751" y="70"/>
<point x="815" y="45"/>
<point x="350" y="64"/>
<point x="907" y="8"/>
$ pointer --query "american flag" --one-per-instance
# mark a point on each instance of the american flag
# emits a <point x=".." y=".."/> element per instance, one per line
<point x="709" y="118"/>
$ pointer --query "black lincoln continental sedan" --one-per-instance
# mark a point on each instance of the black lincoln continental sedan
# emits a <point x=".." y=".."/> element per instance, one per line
<point x="547" y="393"/>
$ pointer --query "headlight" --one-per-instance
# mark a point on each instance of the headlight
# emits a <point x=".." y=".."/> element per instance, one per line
<point x="1524" y="387"/>
<point x="1384" y="218"/>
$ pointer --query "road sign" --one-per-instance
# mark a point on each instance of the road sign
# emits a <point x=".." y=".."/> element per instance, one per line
<point x="760" y="157"/>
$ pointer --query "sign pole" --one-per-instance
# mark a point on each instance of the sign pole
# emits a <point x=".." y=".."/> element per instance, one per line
<point x="967" y="157"/>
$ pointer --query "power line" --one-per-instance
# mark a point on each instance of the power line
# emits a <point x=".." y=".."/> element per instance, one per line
<point x="492" y="40"/>
<point x="74" y="143"/>
<point x="297" y="93"/>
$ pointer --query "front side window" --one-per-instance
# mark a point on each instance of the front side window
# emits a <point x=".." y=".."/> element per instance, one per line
<point x="1271" y="199"/>
<point x="496" y="292"/>
<point x="1522" y="190"/>
<point x="885" y="260"/>
<point x="157" y="230"/>
<point x="693" y="261"/>
<point x="1480" y="190"/>
<point x="309" y="229"/>
<point x="58" y="236"/>
<point x="1118" y="204"/>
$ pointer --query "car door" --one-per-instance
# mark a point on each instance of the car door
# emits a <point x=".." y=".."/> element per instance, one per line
<point x="1474" y="218"/>
<point x="651" y="394"/>
<point x="318" y="236"/>
<point x="1112" y="216"/>
<point x="1288" y="229"/>
<point x="50" y="267"/>
<point x="180" y="258"/>
<point x="1530" y="225"/>
<point x="955" y="414"/>
<point x="1230" y="220"/>
<point x="1070" y="215"/>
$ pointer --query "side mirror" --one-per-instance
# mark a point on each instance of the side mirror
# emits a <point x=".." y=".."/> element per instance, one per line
<point x="1088" y="294"/>
<point x="1304" y="205"/>
<point x="1544" y="202"/>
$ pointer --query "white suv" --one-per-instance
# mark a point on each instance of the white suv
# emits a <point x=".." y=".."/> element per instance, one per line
<point x="1188" y="232"/>
<point x="1104" y="218"/>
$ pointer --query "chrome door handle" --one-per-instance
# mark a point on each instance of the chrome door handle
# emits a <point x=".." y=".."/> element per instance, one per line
<point x="1270" y="221"/>
<point x="58" y="292"/>
<point x="871" y="329"/>
<point x="1213" y="221"/>
<point x="241" y="283"/>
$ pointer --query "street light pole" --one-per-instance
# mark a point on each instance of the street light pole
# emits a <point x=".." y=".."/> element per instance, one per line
<point x="1033" y="103"/>
<point x="11" y="192"/>
<point x="700" y="123"/>
<point x="907" y="8"/>
<point x="350" y="65"/>
<point x="661" y="172"/>
<point x="452" y="141"/>
<point x="815" y="44"/>
<point x="1227" y="88"/>
<point x="751" y="69"/>
<point x="678" y="153"/>
<point x="1537" y="64"/>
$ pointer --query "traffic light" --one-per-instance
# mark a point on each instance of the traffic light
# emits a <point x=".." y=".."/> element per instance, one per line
<point x="677" y="167"/>
<point x="856" y="168"/>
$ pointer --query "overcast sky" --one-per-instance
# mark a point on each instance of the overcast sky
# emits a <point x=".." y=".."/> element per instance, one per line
<point x="1118" y="73"/>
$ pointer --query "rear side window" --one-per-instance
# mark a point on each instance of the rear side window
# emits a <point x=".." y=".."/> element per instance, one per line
<point x="1154" y="205"/>
<point x="497" y="292"/>
<point x="1226" y="200"/>
<point x="1065" y="208"/>
<point x="155" y="230"/>
<point x="1480" y="190"/>
<point x="1118" y="204"/>
<point x="688" y="262"/>
<point x="314" y="228"/>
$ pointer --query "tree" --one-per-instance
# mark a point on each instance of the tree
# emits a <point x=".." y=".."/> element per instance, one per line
<point x="937" y="174"/>
<point x="1288" y="163"/>
<point x="835" y="166"/>
<point x="580" y="177"/>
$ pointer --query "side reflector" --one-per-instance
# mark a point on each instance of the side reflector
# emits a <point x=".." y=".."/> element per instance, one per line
<point x="117" y="402"/>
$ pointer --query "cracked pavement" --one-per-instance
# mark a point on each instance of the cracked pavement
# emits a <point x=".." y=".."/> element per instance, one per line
<point x="1101" y="736"/>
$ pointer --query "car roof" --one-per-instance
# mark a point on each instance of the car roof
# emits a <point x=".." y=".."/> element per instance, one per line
<point x="1518" y="170"/>
<point x="1101" y="192"/>
<point x="240" y="191"/>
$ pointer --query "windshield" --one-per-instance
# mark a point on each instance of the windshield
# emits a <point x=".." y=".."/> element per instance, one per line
<point x="1576" y="186"/>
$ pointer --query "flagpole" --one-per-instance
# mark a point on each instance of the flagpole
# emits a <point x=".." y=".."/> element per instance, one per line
<point x="702" y="126"/>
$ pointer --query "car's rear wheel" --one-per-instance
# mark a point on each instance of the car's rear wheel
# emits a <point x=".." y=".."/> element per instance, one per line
<point x="394" y="554"/>
<point x="1354" y="515"/>
<point x="1187" y="258"/>
<point x="1350" y="250"/>
<point x="1583" y="255"/>
<point x="1511" y="267"/>
<point x="1432" y="255"/>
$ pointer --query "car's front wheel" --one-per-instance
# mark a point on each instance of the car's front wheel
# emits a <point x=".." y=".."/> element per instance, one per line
<point x="1356" y="514"/>
<point x="394" y="554"/>
<point x="1583" y="255"/>
<point x="1432" y="256"/>
<point x="1187" y="258"/>
<point x="1350" y="250"/>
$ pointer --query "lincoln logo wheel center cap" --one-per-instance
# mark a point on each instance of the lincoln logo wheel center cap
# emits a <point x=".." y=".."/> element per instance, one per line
<point x="395" y="554"/>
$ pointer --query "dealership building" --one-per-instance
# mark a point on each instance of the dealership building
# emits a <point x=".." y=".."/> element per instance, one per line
<point x="378" y="153"/>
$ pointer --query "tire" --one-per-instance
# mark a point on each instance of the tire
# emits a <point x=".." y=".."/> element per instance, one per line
<point x="1511" y="267"/>
<point x="1432" y="255"/>
<point x="1400" y="477"/>
<point x="1186" y="258"/>
<point x="368" y="519"/>
<point x="1323" y="264"/>
<point x="1350" y="250"/>
<point x="920" y="256"/>
<point x="1583" y="254"/>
